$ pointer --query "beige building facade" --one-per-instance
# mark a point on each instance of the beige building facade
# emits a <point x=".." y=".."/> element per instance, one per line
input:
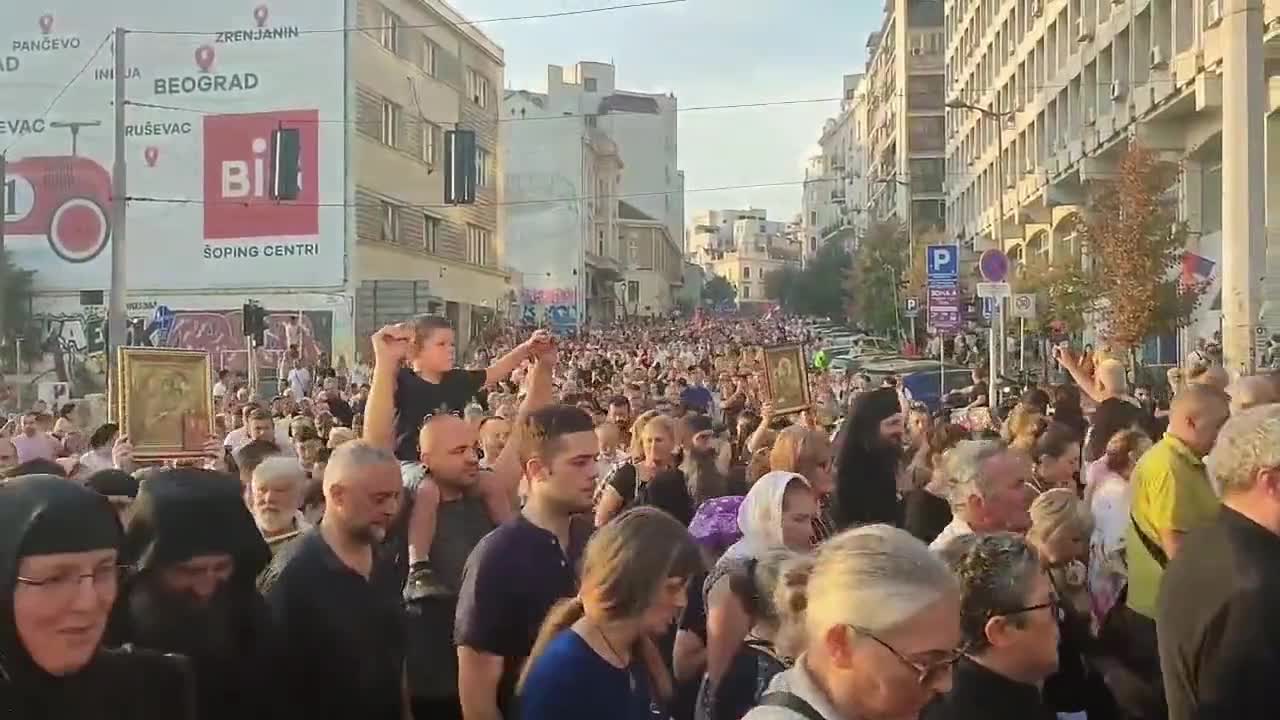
<point x="417" y="72"/>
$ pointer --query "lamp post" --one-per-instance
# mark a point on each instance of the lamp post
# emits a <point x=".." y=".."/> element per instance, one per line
<point x="995" y="342"/>
<point x="893" y="283"/>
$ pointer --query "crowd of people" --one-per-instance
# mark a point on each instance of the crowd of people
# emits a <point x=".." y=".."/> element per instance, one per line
<point x="621" y="524"/>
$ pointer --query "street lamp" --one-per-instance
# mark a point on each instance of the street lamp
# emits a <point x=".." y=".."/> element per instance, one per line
<point x="995" y="343"/>
<point x="893" y="282"/>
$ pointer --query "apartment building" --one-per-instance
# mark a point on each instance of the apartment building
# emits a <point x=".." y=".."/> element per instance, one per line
<point x="836" y="184"/>
<point x="654" y="263"/>
<point x="902" y="106"/>
<point x="417" y="71"/>
<point x="743" y="246"/>
<point x="571" y="154"/>
<point x="1075" y="81"/>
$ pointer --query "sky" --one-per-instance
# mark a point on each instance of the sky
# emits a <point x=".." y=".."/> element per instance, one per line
<point x="707" y="52"/>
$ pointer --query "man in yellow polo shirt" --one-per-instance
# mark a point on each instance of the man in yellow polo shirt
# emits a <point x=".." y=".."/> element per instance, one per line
<point x="1172" y="494"/>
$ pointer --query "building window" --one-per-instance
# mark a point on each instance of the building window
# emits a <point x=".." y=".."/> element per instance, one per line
<point x="589" y="84"/>
<point x="591" y="121"/>
<point x="478" y="88"/>
<point x="390" y="222"/>
<point x="429" y="147"/>
<point x="746" y="272"/>
<point x="746" y="291"/>
<point x="484" y="161"/>
<point x="478" y="240"/>
<point x="390" y="123"/>
<point x="633" y="291"/>
<point x="389" y="30"/>
<point x="429" y="57"/>
<point x="430" y="233"/>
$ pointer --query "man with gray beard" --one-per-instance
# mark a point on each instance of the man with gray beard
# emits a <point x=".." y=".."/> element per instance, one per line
<point x="194" y="552"/>
<point x="275" y="498"/>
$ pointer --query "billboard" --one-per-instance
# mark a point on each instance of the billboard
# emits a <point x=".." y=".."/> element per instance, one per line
<point x="206" y="84"/>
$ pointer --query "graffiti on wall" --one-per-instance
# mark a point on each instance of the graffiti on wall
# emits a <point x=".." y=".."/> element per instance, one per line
<point x="74" y="345"/>
<point x="556" y="308"/>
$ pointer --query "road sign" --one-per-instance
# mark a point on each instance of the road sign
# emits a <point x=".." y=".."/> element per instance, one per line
<point x="943" y="262"/>
<point x="913" y="307"/>
<point x="944" y="319"/>
<point x="947" y="296"/>
<point x="994" y="265"/>
<point x="988" y="307"/>
<point x="993" y="290"/>
<point x="1024" y="306"/>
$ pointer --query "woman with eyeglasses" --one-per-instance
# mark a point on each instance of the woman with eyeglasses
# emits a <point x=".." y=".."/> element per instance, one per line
<point x="59" y="561"/>
<point x="1009" y="618"/>
<point x="877" y="622"/>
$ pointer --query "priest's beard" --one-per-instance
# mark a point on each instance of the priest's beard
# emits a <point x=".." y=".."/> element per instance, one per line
<point x="179" y="623"/>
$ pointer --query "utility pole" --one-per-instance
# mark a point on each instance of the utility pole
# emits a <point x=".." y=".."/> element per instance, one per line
<point x="1243" y="181"/>
<point x="996" y="350"/>
<point x="4" y="214"/>
<point x="116" y="313"/>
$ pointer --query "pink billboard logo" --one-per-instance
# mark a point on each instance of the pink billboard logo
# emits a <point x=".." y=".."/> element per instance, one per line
<point x="237" y="153"/>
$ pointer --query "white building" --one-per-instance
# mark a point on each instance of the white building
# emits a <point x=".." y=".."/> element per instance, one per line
<point x="1081" y="78"/>
<point x="570" y="154"/>
<point x="743" y="246"/>
<point x="836" y="189"/>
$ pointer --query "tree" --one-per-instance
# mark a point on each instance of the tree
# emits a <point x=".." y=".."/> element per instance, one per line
<point x="781" y="286"/>
<point x="818" y="288"/>
<point x="1065" y="291"/>
<point x="718" y="291"/>
<point x="15" y="308"/>
<point x="876" y="277"/>
<point x="1132" y="233"/>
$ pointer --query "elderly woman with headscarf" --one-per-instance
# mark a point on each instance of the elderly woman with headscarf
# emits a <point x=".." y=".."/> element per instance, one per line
<point x="55" y="535"/>
<point x="869" y="460"/>
<point x="777" y="514"/>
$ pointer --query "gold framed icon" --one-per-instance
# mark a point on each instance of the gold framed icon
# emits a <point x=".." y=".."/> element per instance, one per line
<point x="787" y="378"/>
<point x="164" y="401"/>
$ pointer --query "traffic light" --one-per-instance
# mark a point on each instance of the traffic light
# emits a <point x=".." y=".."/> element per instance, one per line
<point x="255" y="323"/>
<point x="286" y="144"/>
<point x="460" y="167"/>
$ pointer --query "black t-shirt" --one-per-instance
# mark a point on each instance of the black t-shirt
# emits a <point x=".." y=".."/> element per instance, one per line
<point x="668" y="490"/>
<point x="343" y="636"/>
<point x="512" y="579"/>
<point x="417" y="398"/>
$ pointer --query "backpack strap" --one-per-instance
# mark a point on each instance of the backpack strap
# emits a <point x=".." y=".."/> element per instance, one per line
<point x="1153" y="548"/>
<point x="791" y="702"/>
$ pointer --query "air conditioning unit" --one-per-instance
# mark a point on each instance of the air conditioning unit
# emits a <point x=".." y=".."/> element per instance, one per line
<point x="1084" y="33"/>
<point x="1035" y="8"/>
<point x="1158" y="60"/>
<point x="1117" y="90"/>
<point x="1090" y="117"/>
<point x="1213" y="13"/>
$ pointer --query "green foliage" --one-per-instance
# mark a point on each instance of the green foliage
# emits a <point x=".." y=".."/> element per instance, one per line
<point x="818" y="289"/>
<point x="878" y="266"/>
<point x="718" y="291"/>
<point x="15" y="309"/>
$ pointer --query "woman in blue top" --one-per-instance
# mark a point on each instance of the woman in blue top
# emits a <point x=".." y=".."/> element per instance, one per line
<point x="594" y="657"/>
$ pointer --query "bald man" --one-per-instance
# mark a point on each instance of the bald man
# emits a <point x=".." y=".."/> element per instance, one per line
<point x="1252" y="391"/>
<point x="1172" y="494"/>
<point x="337" y="604"/>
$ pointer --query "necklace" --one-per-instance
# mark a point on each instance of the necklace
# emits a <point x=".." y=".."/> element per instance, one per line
<point x="631" y="679"/>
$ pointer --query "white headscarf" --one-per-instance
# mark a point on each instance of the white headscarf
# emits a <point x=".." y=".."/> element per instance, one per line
<point x="760" y="515"/>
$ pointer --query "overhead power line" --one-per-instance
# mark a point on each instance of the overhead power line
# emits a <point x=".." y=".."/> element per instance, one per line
<point x="67" y="86"/>
<point x="462" y="23"/>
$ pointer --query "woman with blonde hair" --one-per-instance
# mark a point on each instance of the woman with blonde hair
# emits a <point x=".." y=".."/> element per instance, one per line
<point x="807" y="452"/>
<point x="1023" y="427"/>
<point x="653" y="448"/>
<point x="594" y="656"/>
<point x="877" y="618"/>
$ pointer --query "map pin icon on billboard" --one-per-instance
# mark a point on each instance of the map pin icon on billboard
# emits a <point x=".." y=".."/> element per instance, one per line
<point x="260" y="15"/>
<point x="204" y="57"/>
<point x="151" y="154"/>
<point x="46" y="23"/>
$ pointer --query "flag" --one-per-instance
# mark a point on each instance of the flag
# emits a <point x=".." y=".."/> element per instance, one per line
<point x="1196" y="269"/>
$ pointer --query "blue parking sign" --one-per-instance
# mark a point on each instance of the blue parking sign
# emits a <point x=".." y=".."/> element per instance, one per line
<point x="942" y="262"/>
